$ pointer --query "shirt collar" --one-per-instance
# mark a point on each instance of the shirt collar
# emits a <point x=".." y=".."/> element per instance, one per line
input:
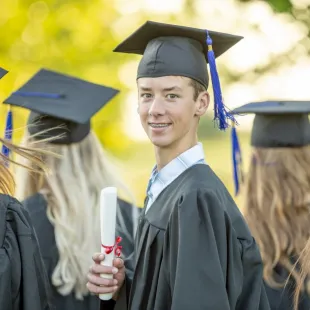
<point x="178" y="164"/>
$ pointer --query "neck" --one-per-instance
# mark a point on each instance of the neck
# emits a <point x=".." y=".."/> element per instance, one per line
<point x="164" y="155"/>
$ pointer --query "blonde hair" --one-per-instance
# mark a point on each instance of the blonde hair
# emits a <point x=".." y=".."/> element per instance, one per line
<point x="277" y="207"/>
<point x="33" y="155"/>
<point x="72" y="192"/>
<point x="304" y="273"/>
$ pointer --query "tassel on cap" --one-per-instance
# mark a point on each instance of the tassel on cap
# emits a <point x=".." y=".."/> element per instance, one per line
<point x="9" y="119"/>
<point x="8" y="132"/>
<point x="221" y="115"/>
<point x="236" y="159"/>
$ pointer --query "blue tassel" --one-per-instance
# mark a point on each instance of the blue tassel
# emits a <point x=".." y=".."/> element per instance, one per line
<point x="237" y="160"/>
<point x="8" y="133"/>
<point x="37" y="94"/>
<point x="221" y="115"/>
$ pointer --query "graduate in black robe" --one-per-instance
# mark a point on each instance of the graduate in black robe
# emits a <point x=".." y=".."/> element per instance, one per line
<point x="193" y="248"/>
<point x="37" y="206"/>
<point x="65" y="205"/>
<point x="276" y="203"/>
<point x="23" y="278"/>
<point x="195" y="251"/>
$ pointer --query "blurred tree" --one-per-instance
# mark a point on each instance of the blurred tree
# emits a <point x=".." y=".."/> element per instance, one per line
<point x="73" y="37"/>
<point x="277" y="5"/>
<point x="299" y="10"/>
<point x="77" y="37"/>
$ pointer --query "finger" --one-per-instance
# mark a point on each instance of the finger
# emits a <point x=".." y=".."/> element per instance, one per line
<point x="120" y="278"/>
<point x="101" y="281"/>
<point x="98" y="257"/>
<point x="118" y="263"/>
<point x="101" y="289"/>
<point x="98" y="269"/>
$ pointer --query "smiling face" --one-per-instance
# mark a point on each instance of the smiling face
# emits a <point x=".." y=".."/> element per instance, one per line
<point x="168" y="112"/>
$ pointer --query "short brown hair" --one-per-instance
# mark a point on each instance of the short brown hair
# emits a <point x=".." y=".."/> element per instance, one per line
<point x="198" y="88"/>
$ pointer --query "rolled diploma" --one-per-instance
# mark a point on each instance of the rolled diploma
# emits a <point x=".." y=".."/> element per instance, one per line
<point x="108" y="202"/>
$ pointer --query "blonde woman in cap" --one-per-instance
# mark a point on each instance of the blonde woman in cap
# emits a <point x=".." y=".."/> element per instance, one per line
<point x="276" y="194"/>
<point x="23" y="280"/>
<point x="64" y="206"/>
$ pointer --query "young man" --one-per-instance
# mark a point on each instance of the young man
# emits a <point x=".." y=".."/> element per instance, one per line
<point x="193" y="248"/>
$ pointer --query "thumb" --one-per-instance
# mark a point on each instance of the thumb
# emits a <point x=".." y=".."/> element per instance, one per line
<point x="118" y="263"/>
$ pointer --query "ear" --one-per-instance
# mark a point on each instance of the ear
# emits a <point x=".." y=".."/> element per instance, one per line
<point x="202" y="103"/>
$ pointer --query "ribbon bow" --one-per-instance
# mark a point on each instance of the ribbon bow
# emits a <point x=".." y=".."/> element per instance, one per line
<point x="116" y="247"/>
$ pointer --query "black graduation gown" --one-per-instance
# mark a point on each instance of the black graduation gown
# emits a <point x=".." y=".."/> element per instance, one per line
<point x="36" y="206"/>
<point x="23" y="279"/>
<point x="195" y="251"/>
<point x="283" y="298"/>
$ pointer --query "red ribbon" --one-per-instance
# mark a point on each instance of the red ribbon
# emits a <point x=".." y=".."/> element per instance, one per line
<point x="116" y="247"/>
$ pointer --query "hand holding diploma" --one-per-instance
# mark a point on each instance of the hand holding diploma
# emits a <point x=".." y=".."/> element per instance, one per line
<point x="107" y="274"/>
<point x="98" y="285"/>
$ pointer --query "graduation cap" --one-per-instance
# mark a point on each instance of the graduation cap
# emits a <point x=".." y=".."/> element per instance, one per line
<point x="276" y="124"/>
<point x="3" y="72"/>
<point x="61" y="105"/>
<point x="9" y="122"/>
<point x="184" y="51"/>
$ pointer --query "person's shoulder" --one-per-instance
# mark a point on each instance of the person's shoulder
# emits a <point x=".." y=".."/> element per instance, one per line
<point x="12" y="209"/>
<point x="127" y="208"/>
<point x="36" y="206"/>
<point x="207" y="192"/>
<point x="201" y="181"/>
<point x="201" y="177"/>
<point x="8" y="207"/>
<point x="35" y="203"/>
<point x="37" y="197"/>
<point x="9" y="201"/>
<point x="123" y="203"/>
<point x="13" y="214"/>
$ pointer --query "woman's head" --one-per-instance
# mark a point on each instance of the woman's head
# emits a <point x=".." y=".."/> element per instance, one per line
<point x="76" y="163"/>
<point x="277" y="205"/>
<point x="72" y="192"/>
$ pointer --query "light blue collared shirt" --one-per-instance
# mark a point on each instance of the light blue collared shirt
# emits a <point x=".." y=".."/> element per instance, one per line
<point x="160" y="180"/>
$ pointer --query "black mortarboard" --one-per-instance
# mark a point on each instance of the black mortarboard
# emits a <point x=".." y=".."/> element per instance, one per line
<point x="8" y="125"/>
<point x="3" y="72"/>
<point x="276" y="124"/>
<point x="63" y="101"/>
<point x="177" y="50"/>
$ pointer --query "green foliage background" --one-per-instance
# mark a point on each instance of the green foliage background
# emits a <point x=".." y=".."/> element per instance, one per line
<point x="77" y="37"/>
